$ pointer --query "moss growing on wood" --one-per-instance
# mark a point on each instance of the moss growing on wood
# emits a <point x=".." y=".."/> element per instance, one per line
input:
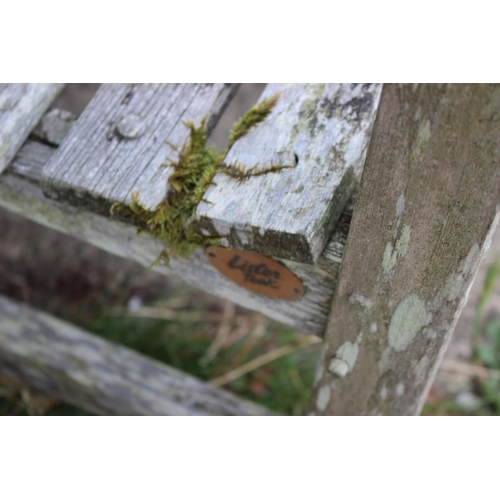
<point x="253" y="116"/>
<point x="243" y="174"/>
<point x="171" y="221"/>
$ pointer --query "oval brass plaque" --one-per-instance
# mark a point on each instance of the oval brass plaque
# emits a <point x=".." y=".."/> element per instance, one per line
<point x="256" y="273"/>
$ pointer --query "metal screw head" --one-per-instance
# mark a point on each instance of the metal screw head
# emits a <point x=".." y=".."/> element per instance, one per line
<point x="131" y="127"/>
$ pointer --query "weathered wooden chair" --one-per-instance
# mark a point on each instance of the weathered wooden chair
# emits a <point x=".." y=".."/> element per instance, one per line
<point x="426" y="205"/>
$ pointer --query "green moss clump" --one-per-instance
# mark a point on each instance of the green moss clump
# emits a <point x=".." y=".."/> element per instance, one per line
<point x="243" y="174"/>
<point x="171" y="221"/>
<point x="253" y="116"/>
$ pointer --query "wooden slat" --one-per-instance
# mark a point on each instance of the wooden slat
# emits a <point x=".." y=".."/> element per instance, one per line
<point x="20" y="192"/>
<point x="99" y="376"/>
<point x="428" y="203"/>
<point x="291" y="213"/>
<point x="117" y="146"/>
<point x="23" y="195"/>
<point x="21" y="107"/>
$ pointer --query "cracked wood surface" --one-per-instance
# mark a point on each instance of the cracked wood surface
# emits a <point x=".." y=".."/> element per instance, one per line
<point x="117" y="146"/>
<point x="99" y="376"/>
<point x="428" y="203"/>
<point x="21" y="107"/>
<point x="21" y="193"/>
<point x="323" y="131"/>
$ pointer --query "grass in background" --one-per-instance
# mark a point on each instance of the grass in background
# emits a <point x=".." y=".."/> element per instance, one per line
<point x="484" y="367"/>
<point x="217" y="341"/>
<point x="209" y="338"/>
<point x="486" y="344"/>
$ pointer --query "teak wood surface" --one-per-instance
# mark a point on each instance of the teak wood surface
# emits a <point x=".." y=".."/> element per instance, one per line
<point x="428" y="202"/>
<point x="21" y="107"/>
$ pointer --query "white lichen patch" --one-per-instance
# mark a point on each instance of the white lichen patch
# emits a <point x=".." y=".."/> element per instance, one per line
<point x="423" y="136"/>
<point x="431" y="333"/>
<point x="454" y="286"/>
<point x="383" y="393"/>
<point x="243" y="238"/>
<point x="393" y="253"/>
<point x="373" y="327"/>
<point x="388" y="261"/>
<point x="408" y="318"/>
<point x="400" y="206"/>
<point x="403" y="241"/>
<point x="338" y="367"/>
<point x="400" y="389"/>
<point x="384" y="360"/>
<point x="323" y="397"/>
<point x="221" y="228"/>
<point x="358" y="299"/>
<point x="421" y="369"/>
<point x="348" y="352"/>
<point x="344" y="360"/>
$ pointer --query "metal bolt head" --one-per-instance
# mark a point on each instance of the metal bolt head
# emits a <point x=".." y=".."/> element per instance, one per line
<point x="338" y="367"/>
<point x="131" y="127"/>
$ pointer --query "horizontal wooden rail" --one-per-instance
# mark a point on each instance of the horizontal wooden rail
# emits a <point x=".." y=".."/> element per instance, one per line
<point x="101" y="377"/>
<point x="20" y="192"/>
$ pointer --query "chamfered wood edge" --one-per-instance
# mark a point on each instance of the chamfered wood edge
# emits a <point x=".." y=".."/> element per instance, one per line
<point x="23" y="195"/>
<point x="30" y="103"/>
<point x="428" y="203"/>
<point x="272" y="214"/>
<point x="99" y="376"/>
<point x="20" y="192"/>
<point x="97" y="165"/>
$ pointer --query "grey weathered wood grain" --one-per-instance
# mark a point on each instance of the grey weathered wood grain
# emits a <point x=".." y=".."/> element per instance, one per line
<point x="100" y="376"/>
<point x="20" y="192"/>
<point x="30" y="160"/>
<point x="117" y="146"/>
<point x="34" y="155"/>
<point x="291" y="213"/>
<point x="428" y="202"/>
<point x="21" y="107"/>
<point x="23" y="195"/>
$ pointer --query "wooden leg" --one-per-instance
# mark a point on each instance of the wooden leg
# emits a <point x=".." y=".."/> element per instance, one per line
<point x="428" y="202"/>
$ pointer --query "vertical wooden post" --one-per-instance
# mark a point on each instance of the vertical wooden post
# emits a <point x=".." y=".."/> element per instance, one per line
<point x="428" y="201"/>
